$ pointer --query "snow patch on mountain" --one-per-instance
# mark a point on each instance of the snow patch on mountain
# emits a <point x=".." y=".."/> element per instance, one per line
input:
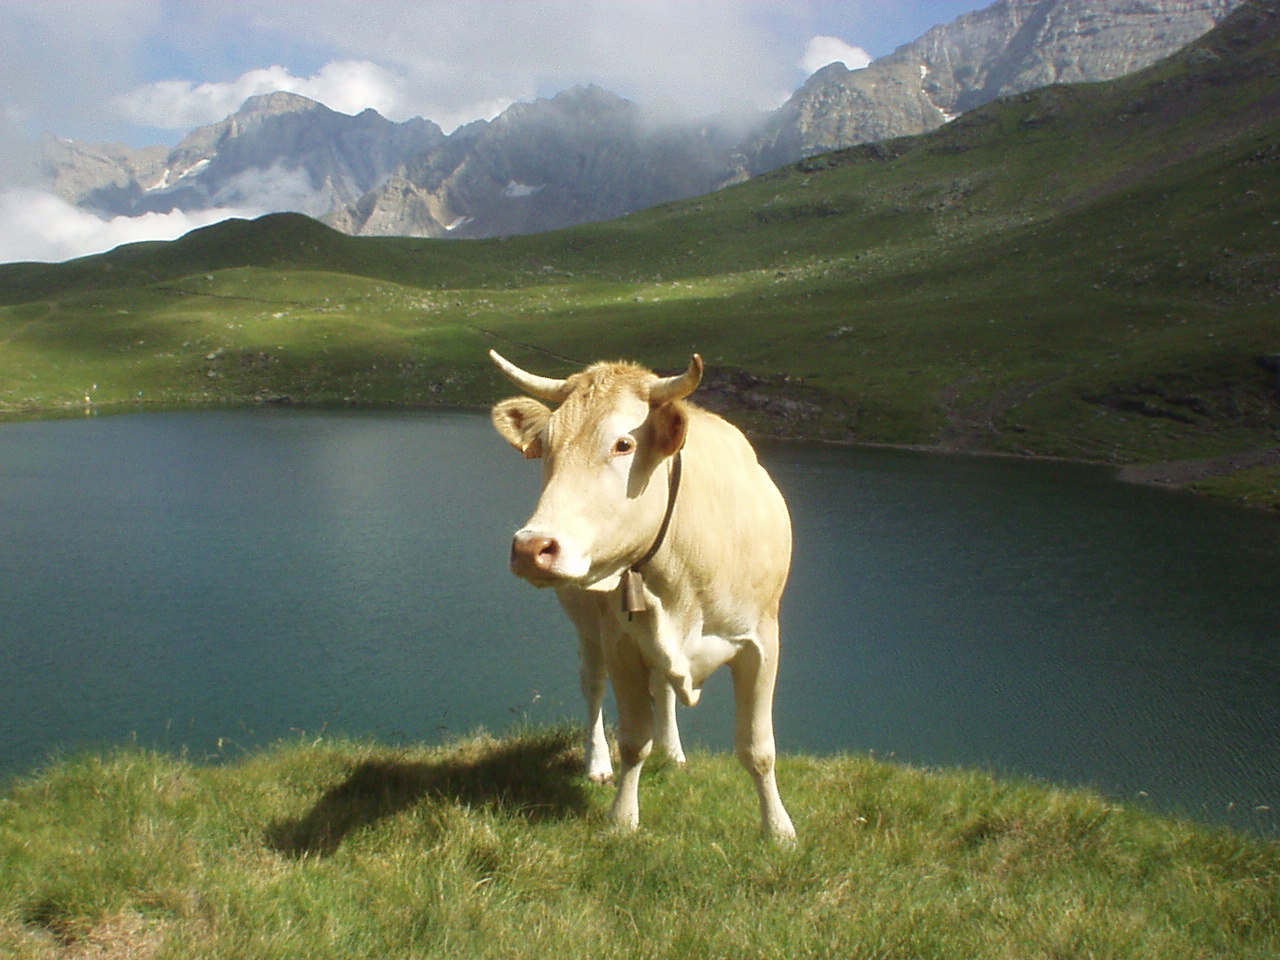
<point x="514" y="190"/>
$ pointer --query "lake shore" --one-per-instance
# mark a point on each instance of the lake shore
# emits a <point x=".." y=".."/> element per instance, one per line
<point x="1184" y="473"/>
<point x="1249" y="478"/>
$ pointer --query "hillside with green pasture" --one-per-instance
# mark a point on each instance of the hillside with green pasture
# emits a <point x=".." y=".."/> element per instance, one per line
<point x="1087" y="271"/>
<point x="499" y="847"/>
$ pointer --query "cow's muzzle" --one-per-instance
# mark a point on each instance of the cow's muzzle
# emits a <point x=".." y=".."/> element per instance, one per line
<point x="534" y="557"/>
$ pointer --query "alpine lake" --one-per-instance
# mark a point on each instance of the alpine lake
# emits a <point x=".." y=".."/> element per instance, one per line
<point x="208" y="582"/>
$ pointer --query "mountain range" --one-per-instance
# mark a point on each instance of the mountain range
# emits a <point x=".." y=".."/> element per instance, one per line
<point x="588" y="154"/>
<point x="1086" y="271"/>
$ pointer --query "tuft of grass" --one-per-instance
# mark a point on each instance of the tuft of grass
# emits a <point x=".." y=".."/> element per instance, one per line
<point x="499" y="847"/>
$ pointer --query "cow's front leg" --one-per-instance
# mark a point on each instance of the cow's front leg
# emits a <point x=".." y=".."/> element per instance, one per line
<point x="584" y="610"/>
<point x="755" y="670"/>
<point x="599" y="766"/>
<point x="666" y="733"/>
<point x="635" y="736"/>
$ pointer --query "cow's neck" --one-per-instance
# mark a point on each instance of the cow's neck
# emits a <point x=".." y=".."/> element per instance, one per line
<point x="632" y="581"/>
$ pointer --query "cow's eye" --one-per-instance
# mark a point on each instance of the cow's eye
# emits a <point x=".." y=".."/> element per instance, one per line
<point x="623" y="446"/>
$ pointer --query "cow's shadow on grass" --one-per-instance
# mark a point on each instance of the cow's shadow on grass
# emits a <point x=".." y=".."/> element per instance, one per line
<point x="534" y="777"/>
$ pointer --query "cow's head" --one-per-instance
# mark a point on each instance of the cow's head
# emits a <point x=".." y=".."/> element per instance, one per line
<point x="613" y="432"/>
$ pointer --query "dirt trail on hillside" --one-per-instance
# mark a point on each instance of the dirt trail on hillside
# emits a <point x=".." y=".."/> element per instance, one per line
<point x="1182" y="472"/>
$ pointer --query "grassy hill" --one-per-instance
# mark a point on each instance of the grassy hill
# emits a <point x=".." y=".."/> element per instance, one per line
<point x="500" y="848"/>
<point x="1089" y="271"/>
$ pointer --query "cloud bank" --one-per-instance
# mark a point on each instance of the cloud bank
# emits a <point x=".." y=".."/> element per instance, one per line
<point x="461" y="58"/>
<point x="348" y="86"/>
<point x="40" y="226"/>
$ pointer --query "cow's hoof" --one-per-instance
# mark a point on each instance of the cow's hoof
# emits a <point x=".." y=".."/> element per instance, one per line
<point x="781" y="834"/>
<point x="602" y="777"/>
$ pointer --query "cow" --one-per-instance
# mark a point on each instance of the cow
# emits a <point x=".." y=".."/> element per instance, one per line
<point x="668" y="546"/>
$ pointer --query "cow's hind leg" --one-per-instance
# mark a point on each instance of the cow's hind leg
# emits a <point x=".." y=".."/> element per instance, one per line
<point x="755" y="669"/>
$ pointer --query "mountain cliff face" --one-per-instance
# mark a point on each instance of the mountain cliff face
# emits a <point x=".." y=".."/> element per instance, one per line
<point x="838" y="107"/>
<point x="279" y="150"/>
<point x="77" y="169"/>
<point x="587" y="154"/>
<point x="1019" y="45"/>
<point x="1009" y="47"/>
<point x="583" y="155"/>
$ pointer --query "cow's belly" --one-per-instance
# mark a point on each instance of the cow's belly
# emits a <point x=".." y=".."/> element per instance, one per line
<point x="707" y="654"/>
<point x="698" y="654"/>
<point x="676" y="644"/>
<point x="687" y="662"/>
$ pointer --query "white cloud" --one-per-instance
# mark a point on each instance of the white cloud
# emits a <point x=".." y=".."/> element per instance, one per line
<point x="821" y="51"/>
<point x="347" y="86"/>
<point x="39" y="226"/>
<point x="86" y="69"/>
<point x="60" y="61"/>
<point x="469" y="61"/>
<point x="451" y="118"/>
<point x="272" y="189"/>
<point x="701" y="57"/>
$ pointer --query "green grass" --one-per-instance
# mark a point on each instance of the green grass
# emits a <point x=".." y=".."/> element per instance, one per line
<point x="500" y="848"/>
<point x="1088" y="272"/>
<point x="1256" y="486"/>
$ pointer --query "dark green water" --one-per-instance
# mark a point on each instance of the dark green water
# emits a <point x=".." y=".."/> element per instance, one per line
<point x="214" y="581"/>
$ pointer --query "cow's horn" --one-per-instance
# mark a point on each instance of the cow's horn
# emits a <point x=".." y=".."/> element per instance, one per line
<point x="544" y="388"/>
<point x="666" y="389"/>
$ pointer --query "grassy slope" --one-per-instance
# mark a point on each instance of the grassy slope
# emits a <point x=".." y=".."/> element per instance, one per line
<point x="1086" y="271"/>
<point x="499" y="848"/>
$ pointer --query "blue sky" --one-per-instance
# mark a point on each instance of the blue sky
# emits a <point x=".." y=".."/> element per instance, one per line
<point x="147" y="71"/>
<point x="143" y="72"/>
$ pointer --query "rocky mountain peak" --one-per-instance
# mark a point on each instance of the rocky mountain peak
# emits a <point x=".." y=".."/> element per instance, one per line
<point x="586" y="104"/>
<point x="588" y="154"/>
<point x="1017" y="45"/>
<point x="835" y="72"/>
<point x="590" y="96"/>
<point x="1009" y="47"/>
<point x="280" y="102"/>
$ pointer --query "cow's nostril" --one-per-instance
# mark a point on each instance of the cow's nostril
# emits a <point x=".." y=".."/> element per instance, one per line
<point x="548" y="552"/>
<point x="534" y="555"/>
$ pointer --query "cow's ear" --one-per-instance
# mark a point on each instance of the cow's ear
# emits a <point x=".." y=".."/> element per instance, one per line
<point x="670" y="425"/>
<point x="521" y="421"/>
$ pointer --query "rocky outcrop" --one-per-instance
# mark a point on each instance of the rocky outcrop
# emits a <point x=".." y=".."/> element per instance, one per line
<point x="1009" y="47"/>
<point x="1271" y="363"/>
<point x="837" y="108"/>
